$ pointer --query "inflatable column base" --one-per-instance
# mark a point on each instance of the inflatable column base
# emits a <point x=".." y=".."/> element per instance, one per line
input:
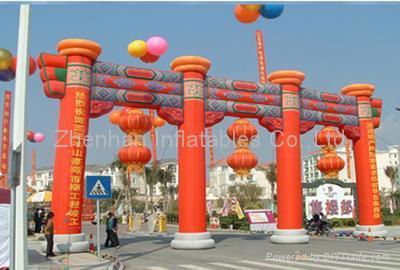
<point x="193" y="241"/>
<point x="298" y="236"/>
<point x="371" y="230"/>
<point x="68" y="243"/>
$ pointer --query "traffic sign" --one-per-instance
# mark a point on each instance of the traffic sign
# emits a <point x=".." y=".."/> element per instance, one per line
<point x="98" y="187"/>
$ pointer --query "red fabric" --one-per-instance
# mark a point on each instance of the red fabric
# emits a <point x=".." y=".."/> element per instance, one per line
<point x="5" y="196"/>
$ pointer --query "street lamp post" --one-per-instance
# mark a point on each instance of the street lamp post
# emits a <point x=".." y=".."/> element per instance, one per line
<point x="19" y="230"/>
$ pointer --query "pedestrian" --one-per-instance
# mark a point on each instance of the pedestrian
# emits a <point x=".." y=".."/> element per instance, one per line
<point x="42" y="219"/>
<point x="109" y="228"/>
<point x="115" y="232"/>
<point x="49" y="234"/>
<point x="37" y="219"/>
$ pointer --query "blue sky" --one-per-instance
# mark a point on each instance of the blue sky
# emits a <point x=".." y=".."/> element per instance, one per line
<point x="333" y="44"/>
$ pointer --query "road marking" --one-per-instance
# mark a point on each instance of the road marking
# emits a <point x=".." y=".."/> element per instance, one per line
<point x="270" y="265"/>
<point x="377" y="254"/>
<point x="193" y="267"/>
<point x="157" y="268"/>
<point x="231" y="266"/>
<point x="387" y="250"/>
<point x="380" y="253"/>
<point x="349" y="264"/>
<point x="313" y="265"/>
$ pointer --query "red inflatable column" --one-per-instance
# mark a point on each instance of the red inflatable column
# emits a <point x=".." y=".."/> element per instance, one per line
<point x="369" y="206"/>
<point x="288" y="158"/>
<point x="69" y="167"/>
<point x="191" y="153"/>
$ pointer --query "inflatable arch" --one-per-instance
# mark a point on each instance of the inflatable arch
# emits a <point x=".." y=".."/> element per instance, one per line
<point x="192" y="100"/>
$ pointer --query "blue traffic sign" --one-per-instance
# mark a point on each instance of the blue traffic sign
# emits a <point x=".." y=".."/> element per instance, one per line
<point x="98" y="187"/>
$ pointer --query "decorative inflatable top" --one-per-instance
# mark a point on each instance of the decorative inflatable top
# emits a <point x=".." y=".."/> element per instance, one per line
<point x="121" y="85"/>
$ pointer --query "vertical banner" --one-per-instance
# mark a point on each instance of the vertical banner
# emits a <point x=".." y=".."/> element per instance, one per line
<point x="153" y="138"/>
<point x="348" y="159"/>
<point x="210" y="146"/>
<point x="5" y="139"/>
<point x="262" y="70"/>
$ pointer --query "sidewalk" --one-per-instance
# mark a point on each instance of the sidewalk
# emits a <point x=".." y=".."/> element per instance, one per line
<point x="83" y="261"/>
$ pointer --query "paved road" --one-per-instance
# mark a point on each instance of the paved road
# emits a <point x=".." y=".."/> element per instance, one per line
<point x="254" y="251"/>
<point x="246" y="251"/>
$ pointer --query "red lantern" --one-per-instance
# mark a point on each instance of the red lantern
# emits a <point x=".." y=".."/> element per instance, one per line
<point x="114" y="117"/>
<point x="135" y="122"/>
<point x="328" y="136"/>
<point x="158" y="122"/>
<point x="135" y="157"/>
<point x="330" y="165"/>
<point x="242" y="161"/>
<point x="32" y="65"/>
<point x="242" y="129"/>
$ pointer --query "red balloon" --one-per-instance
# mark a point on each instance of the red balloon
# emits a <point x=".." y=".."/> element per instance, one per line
<point x="30" y="135"/>
<point x="32" y="65"/>
<point x="149" y="58"/>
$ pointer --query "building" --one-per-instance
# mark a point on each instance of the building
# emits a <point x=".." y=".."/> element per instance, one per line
<point x="384" y="158"/>
<point x="44" y="177"/>
<point x="221" y="177"/>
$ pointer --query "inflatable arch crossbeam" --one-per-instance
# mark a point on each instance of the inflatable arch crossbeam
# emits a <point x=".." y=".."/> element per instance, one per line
<point x="121" y="85"/>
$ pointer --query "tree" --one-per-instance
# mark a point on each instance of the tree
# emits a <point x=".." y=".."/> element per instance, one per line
<point x="164" y="178"/>
<point x="392" y="173"/>
<point x="151" y="175"/>
<point x="172" y="191"/>
<point x="270" y="174"/>
<point x="248" y="195"/>
<point x="126" y="183"/>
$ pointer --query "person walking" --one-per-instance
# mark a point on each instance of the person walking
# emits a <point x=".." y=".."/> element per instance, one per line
<point x="49" y="234"/>
<point x="42" y="219"/>
<point x="37" y="219"/>
<point x="114" y="232"/>
<point x="109" y="228"/>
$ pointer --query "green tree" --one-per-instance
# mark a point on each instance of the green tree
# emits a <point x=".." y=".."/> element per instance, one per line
<point x="248" y="195"/>
<point x="151" y="177"/>
<point x="392" y="173"/>
<point x="270" y="174"/>
<point x="124" y="176"/>
<point x="165" y="178"/>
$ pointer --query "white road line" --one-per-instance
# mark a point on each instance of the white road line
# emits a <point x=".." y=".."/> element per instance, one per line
<point x="313" y="265"/>
<point x="193" y="267"/>
<point x="231" y="266"/>
<point x="156" y="268"/>
<point x="380" y="253"/>
<point x="270" y="265"/>
<point x="329" y="260"/>
<point x="386" y="259"/>
<point x="387" y="250"/>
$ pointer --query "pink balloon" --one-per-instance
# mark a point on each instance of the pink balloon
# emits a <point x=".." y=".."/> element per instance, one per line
<point x="157" y="45"/>
<point x="39" y="137"/>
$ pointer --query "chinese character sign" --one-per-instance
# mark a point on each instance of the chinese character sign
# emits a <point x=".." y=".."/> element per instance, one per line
<point x="331" y="201"/>
<point x="5" y="138"/>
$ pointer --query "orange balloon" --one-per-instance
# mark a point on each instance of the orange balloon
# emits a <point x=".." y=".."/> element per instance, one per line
<point x="246" y="16"/>
<point x="158" y="122"/>
<point x="114" y="117"/>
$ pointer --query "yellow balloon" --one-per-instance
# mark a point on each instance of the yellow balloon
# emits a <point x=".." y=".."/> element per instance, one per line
<point x="6" y="59"/>
<point x="137" y="48"/>
<point x="252" y="7"/>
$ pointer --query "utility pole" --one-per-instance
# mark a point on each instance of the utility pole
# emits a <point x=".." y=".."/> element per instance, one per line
<point x="19" y="230"/>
